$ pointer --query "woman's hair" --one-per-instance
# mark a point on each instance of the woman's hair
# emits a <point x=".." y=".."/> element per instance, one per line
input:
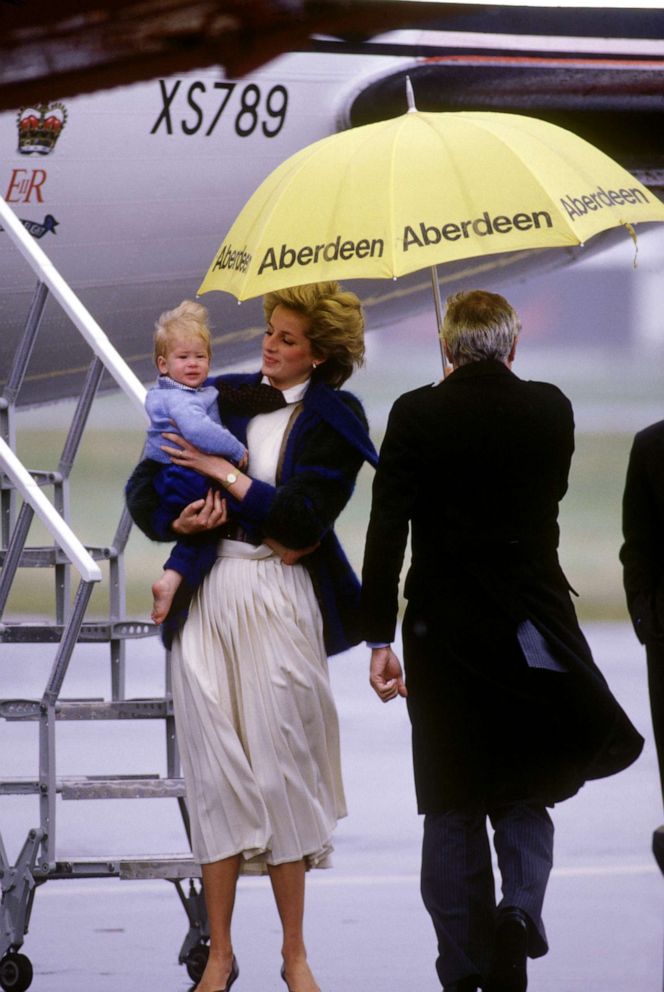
<point x="188" y="320"/>
<point x="336" y="331"/>
<point x="479" y="325"/>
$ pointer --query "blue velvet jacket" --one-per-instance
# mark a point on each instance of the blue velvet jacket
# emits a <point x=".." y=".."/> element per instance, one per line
<point x="325" y="449"/>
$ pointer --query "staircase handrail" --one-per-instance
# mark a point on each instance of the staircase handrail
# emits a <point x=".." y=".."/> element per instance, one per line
<point x="70" y="303"/>
<point x="60" y="530"/>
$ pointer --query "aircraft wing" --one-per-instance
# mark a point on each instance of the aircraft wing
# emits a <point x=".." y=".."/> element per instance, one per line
<point x="81" y="46"/>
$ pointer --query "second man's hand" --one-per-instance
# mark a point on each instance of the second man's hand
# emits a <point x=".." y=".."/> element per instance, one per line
<point x="385" y="674"/>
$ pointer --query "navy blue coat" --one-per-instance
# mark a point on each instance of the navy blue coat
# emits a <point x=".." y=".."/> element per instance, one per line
<point x="325" y="449"/>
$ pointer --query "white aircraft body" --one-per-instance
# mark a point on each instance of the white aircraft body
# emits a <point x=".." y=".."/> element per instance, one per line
<point x="130" y="191"/>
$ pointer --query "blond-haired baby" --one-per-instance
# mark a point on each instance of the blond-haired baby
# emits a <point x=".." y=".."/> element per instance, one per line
<point x="181" y="403"/>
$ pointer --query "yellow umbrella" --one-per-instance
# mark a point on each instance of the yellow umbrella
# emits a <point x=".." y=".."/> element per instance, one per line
<point x="389" y="198"/>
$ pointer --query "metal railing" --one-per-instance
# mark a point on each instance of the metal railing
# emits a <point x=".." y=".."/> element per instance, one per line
<point x="70" y="303"/>
<point x="37" y="860"/>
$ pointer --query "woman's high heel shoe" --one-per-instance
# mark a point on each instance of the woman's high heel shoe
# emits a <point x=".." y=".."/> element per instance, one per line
<point x="283" y="975"/>
<point x="233" y="974"/>
<point x="235" y="971"/>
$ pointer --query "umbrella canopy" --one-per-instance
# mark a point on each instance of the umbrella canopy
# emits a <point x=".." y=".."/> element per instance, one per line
<point x="389" y="198"/>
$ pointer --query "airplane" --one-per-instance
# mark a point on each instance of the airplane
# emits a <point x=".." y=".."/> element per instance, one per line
<point x="130" y="190"/>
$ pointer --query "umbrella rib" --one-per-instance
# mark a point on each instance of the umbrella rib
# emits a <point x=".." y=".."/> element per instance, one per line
<point x="401" y="123"/>
<point x="526" y="165"/>
<point x="303" y="159"/>
<point x="544" y="142"/>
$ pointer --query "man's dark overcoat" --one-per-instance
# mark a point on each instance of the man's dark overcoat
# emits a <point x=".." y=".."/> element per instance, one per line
<point x="505" y="699"/>
<point x="642" y="555"/>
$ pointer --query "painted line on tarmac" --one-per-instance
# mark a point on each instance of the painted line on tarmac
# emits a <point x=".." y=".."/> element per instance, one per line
<point x="579" y="871"/>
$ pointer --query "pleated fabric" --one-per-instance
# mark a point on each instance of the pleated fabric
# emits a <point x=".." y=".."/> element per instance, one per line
<point x="257" y="726"/>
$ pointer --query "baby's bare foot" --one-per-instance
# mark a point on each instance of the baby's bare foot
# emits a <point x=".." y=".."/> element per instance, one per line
<point x="163" y="592"/>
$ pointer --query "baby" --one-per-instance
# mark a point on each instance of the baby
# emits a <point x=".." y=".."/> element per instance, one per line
<point x="180" y="403"/>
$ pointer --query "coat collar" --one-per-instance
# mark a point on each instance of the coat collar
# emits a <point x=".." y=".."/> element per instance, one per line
<point x="165" y="382"/>
<point x="488" y="366"/>
<point x="327" y="403"/>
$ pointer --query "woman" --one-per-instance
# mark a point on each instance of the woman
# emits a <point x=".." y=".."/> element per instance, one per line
<point x="257" y="726"/>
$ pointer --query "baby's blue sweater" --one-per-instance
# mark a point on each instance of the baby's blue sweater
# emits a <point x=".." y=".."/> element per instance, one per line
<point x="193" y="413"/>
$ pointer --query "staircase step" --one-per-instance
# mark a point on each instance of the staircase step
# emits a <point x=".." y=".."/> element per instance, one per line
<point x="104" y="631"/>
<point x="121" y="787"/>
<point x="18" y="786"/>
<point x="102" y="787"/>
<point x="177" y="866"/>
<point x="174" y="867"/>
<point x="49" y="555"/>
<point x="88" y="709"/>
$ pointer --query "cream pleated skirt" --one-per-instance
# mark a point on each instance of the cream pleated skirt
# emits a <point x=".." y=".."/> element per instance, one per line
<point x="256" y="722"/>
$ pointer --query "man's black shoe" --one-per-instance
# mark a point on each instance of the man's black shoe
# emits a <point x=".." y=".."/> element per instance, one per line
<point x="508" y="967"/>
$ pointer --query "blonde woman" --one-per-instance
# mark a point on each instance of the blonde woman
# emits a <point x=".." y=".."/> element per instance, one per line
<point x="256" y="721"/>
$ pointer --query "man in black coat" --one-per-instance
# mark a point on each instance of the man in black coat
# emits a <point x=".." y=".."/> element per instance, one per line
<point x="642" y="556"/>
<point x="509" y="712"/>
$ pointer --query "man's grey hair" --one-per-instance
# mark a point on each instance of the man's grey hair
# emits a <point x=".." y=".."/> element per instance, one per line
<point x="479" y="325"/>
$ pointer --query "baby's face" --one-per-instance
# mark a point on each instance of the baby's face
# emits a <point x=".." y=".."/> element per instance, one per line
<point x="186" y="361"/>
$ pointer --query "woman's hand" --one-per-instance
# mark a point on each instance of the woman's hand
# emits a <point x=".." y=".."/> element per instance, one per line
<point x="189" y="456"/>
<point x="213" y="466"/>
<point x="202" y="514"/>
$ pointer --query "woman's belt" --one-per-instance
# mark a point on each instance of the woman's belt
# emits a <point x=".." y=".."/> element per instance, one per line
<point x="235" y="532"/>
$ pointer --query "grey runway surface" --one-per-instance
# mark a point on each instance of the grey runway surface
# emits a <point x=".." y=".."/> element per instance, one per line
<point x="366" y="928"/>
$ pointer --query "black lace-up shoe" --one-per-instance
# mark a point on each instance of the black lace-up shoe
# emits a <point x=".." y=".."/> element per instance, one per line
<point x="508" y="968"/>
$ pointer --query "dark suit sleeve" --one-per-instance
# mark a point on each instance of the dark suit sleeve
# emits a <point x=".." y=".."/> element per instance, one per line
<point x="393" y="495"/>
<point x="642" y="553"/>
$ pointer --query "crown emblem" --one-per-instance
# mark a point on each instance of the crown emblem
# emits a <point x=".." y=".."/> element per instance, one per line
<point x="39" y="127"/>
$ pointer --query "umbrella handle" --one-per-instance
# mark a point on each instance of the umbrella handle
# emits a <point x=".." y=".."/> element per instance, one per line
<point x="439" y="314"/>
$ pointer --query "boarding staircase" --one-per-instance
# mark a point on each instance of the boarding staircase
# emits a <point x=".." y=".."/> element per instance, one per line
<point x="22" y="498"/>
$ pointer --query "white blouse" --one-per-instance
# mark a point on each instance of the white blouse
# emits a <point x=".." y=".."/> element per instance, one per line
<point x="265" y="434"/>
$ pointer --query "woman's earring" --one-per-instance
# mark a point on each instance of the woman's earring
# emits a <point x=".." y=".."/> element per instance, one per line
<point x="314" y="365"/>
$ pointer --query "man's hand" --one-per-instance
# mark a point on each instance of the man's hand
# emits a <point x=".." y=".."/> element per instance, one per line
<point x="385" y="674"/>
<point x="202" y="514"/>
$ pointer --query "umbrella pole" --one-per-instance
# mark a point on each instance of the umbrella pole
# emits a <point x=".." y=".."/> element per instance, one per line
<point x="439" y="313"/>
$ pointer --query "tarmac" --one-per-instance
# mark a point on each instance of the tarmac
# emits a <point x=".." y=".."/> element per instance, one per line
<point x="366" y="928"/>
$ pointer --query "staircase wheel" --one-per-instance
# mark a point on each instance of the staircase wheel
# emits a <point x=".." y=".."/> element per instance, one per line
<point x="15" y="972"/>
<point x="196" y="961"/>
